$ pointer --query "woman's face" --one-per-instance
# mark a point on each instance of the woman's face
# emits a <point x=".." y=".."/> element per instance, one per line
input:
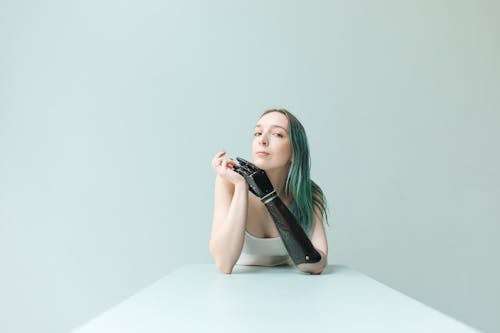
<point x="271" y="148"/>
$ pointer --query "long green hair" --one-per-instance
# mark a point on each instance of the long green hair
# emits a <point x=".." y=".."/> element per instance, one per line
<point x="306" y="194"/>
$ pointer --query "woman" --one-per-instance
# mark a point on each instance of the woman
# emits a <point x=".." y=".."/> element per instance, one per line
<point x="243" y="231"/>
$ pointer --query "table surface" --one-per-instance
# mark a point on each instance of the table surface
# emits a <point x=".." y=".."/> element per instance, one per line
<point x="197" y="298"/>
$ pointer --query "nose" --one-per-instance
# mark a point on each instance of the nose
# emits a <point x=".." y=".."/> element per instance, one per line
<point x="263" y="140"/>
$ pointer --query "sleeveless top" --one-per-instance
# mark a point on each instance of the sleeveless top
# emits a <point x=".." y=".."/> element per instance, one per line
<point x="263" y="251"/>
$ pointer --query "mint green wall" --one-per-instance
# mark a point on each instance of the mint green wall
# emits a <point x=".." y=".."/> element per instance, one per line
<point x="110" y="112"/>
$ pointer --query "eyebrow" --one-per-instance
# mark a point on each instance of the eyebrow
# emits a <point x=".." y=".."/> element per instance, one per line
<point x="278" y="126"/>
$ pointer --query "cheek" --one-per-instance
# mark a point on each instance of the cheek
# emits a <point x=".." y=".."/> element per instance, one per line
<point x="254" y="144"/>
<point x="286" y="150"/>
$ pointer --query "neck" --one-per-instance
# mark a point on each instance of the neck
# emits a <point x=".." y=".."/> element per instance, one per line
<point x="278" y="180"/>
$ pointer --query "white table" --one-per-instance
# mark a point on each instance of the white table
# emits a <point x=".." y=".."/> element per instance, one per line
<point x="198" y="298"/>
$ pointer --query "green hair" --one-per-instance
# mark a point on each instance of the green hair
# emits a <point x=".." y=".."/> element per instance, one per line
<point x="306" y="194"/>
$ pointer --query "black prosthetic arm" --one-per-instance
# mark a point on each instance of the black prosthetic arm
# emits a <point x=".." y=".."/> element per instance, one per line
<point x="297" y="243"/>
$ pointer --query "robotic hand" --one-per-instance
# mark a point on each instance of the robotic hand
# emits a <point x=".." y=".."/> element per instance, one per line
<point x="297" y="243"/>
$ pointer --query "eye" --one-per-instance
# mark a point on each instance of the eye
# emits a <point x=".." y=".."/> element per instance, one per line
<point x="279" y="135"/>
<point x="257" y="133"/>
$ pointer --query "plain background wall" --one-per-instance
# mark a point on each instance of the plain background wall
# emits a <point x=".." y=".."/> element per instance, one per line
<point x="110" y="112"/>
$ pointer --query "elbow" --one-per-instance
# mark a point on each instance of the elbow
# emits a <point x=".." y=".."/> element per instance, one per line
<point x="221" y="264"/>
<point x="317" y="270"/>
<point x="226" y="269"/>
<point x="314" y="268"/>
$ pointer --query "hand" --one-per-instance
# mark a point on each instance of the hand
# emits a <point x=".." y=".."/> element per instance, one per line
<point x="257" y="179"/>
<point x="224" y="167"/>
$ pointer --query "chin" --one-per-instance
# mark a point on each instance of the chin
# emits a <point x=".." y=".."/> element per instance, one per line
<point x="259" y="163"/>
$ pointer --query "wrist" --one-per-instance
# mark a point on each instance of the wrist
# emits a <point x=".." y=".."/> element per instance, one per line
<point x="241" y="185"/>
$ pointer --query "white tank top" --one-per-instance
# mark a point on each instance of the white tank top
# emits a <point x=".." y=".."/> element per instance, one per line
<point x="263" y="251"/>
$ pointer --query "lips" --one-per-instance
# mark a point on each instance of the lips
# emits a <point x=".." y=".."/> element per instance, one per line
<point x="261" y="153"/>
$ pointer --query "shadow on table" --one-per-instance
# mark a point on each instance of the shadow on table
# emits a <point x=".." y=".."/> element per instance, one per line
<point x="242" y="269"/>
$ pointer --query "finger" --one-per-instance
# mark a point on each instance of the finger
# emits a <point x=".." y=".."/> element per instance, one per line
<point x="243" y="170"/>
<point x="231" y="163"/>
<point x="247" y="165"/>
<point x="244" y="162"/>
<point x="239" y="170"/>
<point x="219" y="155"/>
<point x="226" y="164"/>
<point x="216" y="162"/>
<point x="228" y="161"/>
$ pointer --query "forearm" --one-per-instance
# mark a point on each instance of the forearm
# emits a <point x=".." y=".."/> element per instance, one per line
<point x="227" y="241"/>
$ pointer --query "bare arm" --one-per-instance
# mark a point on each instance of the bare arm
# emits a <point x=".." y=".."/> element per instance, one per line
<point x="230" y="215"/>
